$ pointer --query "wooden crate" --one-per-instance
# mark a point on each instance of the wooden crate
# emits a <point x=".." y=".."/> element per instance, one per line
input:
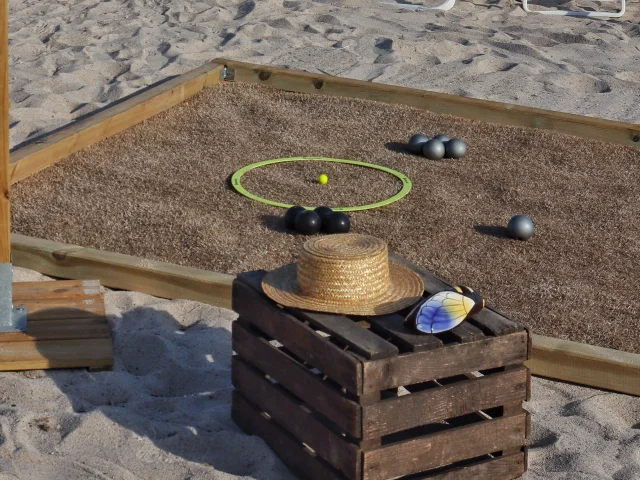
<point x="66" y="327"/>
<point x="364" y="398"/>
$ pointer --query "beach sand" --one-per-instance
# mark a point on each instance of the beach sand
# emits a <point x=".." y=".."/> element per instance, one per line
<point x="163" y="412"/>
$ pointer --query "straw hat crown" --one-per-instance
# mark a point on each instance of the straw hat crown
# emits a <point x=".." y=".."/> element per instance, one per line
<point x="346" y="273"/>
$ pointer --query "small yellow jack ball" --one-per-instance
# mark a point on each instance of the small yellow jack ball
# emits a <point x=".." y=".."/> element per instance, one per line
<point x="323" y="179"/>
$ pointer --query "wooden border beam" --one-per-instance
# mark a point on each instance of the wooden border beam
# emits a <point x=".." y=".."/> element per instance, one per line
<point x="60" y="144"/>
<point x="464" y="107"/>
<point x="553" y="358"/>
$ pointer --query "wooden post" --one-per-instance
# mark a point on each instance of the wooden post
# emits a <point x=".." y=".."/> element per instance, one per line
<point x="5" y="236"/>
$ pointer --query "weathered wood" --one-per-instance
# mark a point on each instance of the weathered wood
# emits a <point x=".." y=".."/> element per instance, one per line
<point x="443" y="448"/>
<point x="297" y="379"/>
<point x="393" y="326"/>
<point x="360" y="340"/>
<point x="466" y="332"/>
<point x="125" y="272"/>
<point x="105" y="123"/>
<point x="599" y="367"/>
<point x="55" y="340"/>
<point x="498" y="468"/>
<point x="292" y="415"/>
<point x="437" y="404"/>
<point x="464" y="107"/>
<point x="5" y="178"/>
<point x="301" y="340"/>
<point x="493" y="323"/>
<point x="407" y="369"/>
<point x="292" y="453"/>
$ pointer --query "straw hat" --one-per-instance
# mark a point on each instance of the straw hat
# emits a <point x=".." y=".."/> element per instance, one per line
<point x="347" y="274"/>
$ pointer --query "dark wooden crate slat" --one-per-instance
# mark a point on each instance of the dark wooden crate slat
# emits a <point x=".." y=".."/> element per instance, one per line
<point x="498" y="468"/>
<point x="448" y="361"/>
<point x="494" y="323"/>
<point x="393" y="325"/>
<point x="289" y="413"/>
<point x="466" y="332"/>
<point x="437" y="404"/>
<point x="488" y="320"/>
<point x="345" y="413"/>
<point x="297" y="337"/>
<point x="359" y="339"/>
<point x="290" y="451"/>
<point x="443" y="448"/>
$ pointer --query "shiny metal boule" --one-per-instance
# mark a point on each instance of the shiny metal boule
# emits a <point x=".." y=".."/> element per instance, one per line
<point x="416" y="141"/>
<point x="455" y="148"/>
<point x="433" y="149"/>
<point x="520" y="227"/>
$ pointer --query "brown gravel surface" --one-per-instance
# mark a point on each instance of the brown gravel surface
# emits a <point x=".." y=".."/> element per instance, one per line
<point x="161" y="190"/>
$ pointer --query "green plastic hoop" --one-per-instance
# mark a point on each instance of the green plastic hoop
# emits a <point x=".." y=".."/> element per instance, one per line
<point x="406" y="183"/>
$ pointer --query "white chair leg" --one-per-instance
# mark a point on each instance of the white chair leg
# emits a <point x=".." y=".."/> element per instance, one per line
<point x="575" y="13"/>
<point x="448" y="5"/>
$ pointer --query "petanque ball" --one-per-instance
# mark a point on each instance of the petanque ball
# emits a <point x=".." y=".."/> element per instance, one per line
<point x="338" y="222"/>
<point x="455" y="148"/>
<point x="290" y="216"/>
<point x="442" y="137"/>
<point x="520" y="227"/>
<point x="308" y="222"/>
<point x="416" y="142"/>
<point x="324" y="213"/>
<point x="433" y="149"/>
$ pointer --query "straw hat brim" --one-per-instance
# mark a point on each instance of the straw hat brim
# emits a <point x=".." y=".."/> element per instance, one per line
<point x="406" y="288"/>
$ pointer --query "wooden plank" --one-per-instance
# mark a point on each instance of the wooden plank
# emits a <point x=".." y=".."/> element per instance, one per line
<point x="76" y="329"/>
<point x="359" y="339"/>
<point x="125" y="272"/>
<point x="69" y="308"/>
<point x="123" y="114"/>
<point x="443" y="448"/>
<point x="290" y="451"/>
<point x="56" y="354"/>
<point x="438" y="404"/>
<point x="498" y="468"/>
<point x="432" y="284"/>
<point x="463" y="107"/>
<point x="411" y="368"/>
<point x="5" y="215"/>
<point x="393" y="326"/>
<point x="298" y="420"/>
<point x="589" y="365"/>
<point x="466" y="332"/>
<point x="57" y="290"/>
<point x="345" y="413"/>
<point x="256" y="308"/>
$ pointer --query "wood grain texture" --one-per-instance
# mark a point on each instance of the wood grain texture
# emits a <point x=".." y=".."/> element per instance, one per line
<point x="437" y="404"/>
<point x="464" y="107"/>
<point x="408" y="369"/>
<point x="296" y="378"/>
<point x="498" y="468"/>
<point x="298" y="420"/>
<point x="36" y="156"/>
<point x="443" y="448"/>
<point x="63" y="332"/>
<point x="290" y="450"/>
<point x="120" y="271"/>
<point x="393" y="326"/>
<point x="301" y="340"/>
<point x="599" y="367"/>
<point x="5" y="216"/>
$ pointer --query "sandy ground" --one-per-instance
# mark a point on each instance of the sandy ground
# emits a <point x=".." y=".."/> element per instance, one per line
<point x="163" y="412"/>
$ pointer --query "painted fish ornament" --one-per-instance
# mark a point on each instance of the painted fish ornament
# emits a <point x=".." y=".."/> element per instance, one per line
<point x="445" y="310"/>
